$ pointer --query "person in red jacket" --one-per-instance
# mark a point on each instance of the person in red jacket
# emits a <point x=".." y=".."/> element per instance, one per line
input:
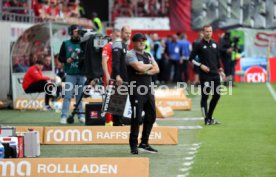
<point x="34" y="81"/>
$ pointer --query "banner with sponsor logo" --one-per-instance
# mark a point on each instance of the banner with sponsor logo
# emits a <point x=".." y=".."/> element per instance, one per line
<point x="174" y="98"/>
<point x="260" y="43"/>
<point x="255" y="69"/>
<point x="38" y="104"/>
<point x="75" y="167"/>
<point x="105" y="135"/>
<point x="163" y="110"/>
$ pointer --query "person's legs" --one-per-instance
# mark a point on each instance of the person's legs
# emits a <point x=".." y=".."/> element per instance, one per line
<point x="227" y="69"/>
<point x="40" y="86"/>
<point x="116" y="120"/>
<point x="180" y="72"/>
<point x="176" y="71"/>
<point x="170" y="71"/>
<point x="159" y="75"/>
<point x="150" y="117"/>
<point x="215" y="98"/>
<point x="80" y="84"/>
<point x="205" y="89"/>
<point x="186" y="70"/>
<point x="70" y="82"/>
<point x="136" y="118"/>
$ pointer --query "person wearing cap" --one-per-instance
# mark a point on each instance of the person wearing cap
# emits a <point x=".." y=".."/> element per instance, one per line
<point x="68" y="56"/>
<point x="119" y="69"/>
<point x="141" y="66"/>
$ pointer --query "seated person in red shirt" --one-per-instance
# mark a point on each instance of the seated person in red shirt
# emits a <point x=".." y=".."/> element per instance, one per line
<point x="34" y="81"/>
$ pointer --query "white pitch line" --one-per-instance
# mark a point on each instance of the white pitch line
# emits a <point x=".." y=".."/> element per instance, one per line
<point x="188" y="127"/>
<point x="192" y="152"/>
<point x="193" y="148"/>
<point x="181" y="119"/>
<point x="190" y="145"/>
<point x="185" y="169"/>
<point x="189" y="158"/>
<point x="271" y="90"/>
<point x="185" y="175"/>
<point x="196" y="144"/>
<point x="188" y="163"/>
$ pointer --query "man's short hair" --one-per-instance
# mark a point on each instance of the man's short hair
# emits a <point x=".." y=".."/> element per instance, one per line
<point x="206" y="26"/>
<point x="39" y="62"/>
<point x="115" y="30"/>
<point x="124" y="28"/>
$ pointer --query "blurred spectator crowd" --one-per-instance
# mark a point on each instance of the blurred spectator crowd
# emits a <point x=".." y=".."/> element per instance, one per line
<point x="140" y="8"/>
<point x="43" y="8"/>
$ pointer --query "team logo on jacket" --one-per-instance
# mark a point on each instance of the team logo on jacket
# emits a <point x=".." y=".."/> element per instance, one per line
<point x="214" y="45"/>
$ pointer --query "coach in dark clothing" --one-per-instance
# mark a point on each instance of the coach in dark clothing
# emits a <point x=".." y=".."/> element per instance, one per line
<point x="141" y="68"/>
<point x="119" y="68"/>
<point x="119" y="50"/>
<point x="210" y="71"/>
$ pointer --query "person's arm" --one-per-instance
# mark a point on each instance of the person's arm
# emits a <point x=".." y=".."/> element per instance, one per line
<point x="154" y="70"/>
<point x="193" y="55"/>
<point x="220" y="69"/>
<point x="132" y="60"/>
<point x="37" y="75"/>
<point x="117" y="51"/>
<point x="218" y="58"/>
<point x="140" y="67"/>
<point x="104" y="63"/>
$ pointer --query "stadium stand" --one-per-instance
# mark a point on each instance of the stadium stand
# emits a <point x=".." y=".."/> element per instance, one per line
<point x="139" y="8"/>
<point x="34" y="11"/>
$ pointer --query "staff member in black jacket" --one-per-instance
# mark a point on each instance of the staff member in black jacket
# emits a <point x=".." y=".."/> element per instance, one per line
<point x="207" y="51"/>
<point x="141" y="68"/>
<point x="119" y="69"/>
<point x="119" y="50"/>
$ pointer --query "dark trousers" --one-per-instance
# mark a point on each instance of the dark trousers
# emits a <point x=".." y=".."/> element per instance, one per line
<point x="184" y="69"/>
<point x="159" y="76"/>
<point x="144" y="103"/>
<point x="227" y="66"/>
<point x="208" y="85"/>
<point x="38" y="87"/>
<point x="174" y="64"/>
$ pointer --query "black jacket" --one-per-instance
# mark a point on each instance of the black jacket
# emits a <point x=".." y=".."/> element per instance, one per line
<point x="119" y="50"/>
<point x="208" y="54"/>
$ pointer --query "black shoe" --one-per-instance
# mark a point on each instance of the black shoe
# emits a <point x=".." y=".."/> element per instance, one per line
<point x="134" y="150"/>
<point x="211" y="122"/>
<point x="146" y="148"/>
